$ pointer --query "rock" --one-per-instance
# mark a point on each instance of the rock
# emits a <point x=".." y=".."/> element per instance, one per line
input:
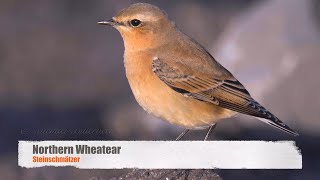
<point x="171" y="174"/>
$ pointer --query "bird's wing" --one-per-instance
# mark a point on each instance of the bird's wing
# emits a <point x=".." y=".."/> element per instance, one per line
<point x="222" y="90"/>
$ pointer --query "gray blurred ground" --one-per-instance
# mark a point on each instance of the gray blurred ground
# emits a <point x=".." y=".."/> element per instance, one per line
<point x="58" y="69"/>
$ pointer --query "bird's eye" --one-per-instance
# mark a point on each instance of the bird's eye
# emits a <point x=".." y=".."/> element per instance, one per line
<point x="135" y="22"/>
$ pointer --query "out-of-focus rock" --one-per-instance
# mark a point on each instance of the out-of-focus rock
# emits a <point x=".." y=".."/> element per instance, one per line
<point x="274" y="50"/>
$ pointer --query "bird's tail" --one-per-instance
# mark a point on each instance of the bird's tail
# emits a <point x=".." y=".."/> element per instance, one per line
<point x="275" y="122"/>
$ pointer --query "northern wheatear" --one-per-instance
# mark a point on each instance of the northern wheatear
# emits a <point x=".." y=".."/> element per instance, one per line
<point x="175" y="78"/>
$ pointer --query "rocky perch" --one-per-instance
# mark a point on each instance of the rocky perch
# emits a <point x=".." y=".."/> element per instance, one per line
<point x="171" y="174"/>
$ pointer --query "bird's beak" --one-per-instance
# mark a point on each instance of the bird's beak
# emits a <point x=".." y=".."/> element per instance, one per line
<point x="110" y="22"/>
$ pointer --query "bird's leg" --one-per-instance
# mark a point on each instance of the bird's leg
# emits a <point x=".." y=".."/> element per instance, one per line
<point x="209" y="131"/>
<point x="182" y="134"/>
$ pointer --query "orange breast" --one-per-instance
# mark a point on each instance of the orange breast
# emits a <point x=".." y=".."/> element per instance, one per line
<point x="160" y="100"/>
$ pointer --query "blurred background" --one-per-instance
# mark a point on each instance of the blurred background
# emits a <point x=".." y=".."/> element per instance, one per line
<point x="62" y="76"/>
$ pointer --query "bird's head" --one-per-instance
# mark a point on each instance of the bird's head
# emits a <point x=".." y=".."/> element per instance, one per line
<point x="141" y="25"/>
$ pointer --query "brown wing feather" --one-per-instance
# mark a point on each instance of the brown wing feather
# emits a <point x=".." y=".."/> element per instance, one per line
<point x="226" y="92"/>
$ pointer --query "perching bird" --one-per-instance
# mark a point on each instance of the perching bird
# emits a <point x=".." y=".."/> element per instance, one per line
<point x="175" y="78"/>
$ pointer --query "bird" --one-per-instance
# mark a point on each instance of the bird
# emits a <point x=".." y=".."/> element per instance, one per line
<point x="175" y="78"/>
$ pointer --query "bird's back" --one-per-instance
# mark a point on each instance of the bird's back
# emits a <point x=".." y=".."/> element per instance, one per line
<point x="186" y="67"/>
